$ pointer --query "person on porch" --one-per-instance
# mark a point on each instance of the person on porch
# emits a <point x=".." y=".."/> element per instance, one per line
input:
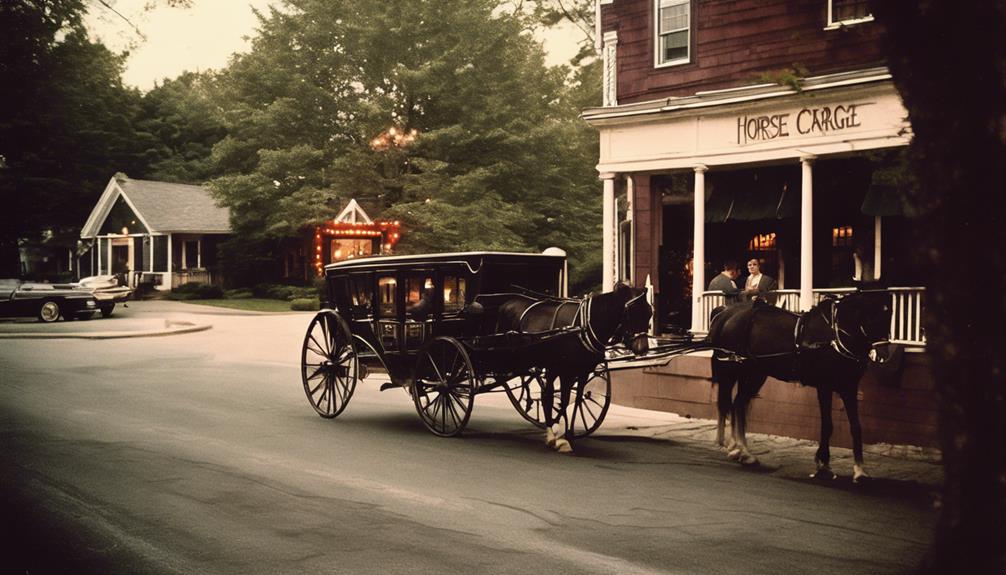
<point x="725" y="282"/>
<point x="759" y="285"/>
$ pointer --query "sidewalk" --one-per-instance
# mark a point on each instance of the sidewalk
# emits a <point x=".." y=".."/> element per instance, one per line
<point x="890" y="466"/>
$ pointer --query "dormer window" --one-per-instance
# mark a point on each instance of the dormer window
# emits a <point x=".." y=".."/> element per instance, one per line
<point x="674" y="21"/>
<point x="847" y="12"/>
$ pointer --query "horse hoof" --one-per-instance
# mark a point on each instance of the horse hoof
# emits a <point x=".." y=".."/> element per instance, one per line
<point x="824" y="473"/>
<point x="734" y="454"/>
<point x="563" y="446"/>
<point x="859" y="475"/>
<point x="748" y="460"/>
<point x="550" y="438"/>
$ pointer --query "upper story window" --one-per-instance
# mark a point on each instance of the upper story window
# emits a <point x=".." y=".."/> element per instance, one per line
<point x="674" y="21"/>
<point x="845" y="12"/>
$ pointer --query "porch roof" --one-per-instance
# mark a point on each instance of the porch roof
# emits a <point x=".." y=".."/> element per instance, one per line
<point x="162" y="206"/>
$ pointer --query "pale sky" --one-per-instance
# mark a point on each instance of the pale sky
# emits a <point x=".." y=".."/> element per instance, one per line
<point x="204" y="36"/>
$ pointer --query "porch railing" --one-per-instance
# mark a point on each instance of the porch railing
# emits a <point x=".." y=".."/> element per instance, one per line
<point x="907" y="304"/>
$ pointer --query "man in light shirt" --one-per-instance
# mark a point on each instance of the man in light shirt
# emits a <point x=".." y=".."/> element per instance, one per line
<point x="758" y="285"/>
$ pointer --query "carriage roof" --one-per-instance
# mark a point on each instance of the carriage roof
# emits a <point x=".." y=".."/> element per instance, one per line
<point x="475" y="261"/>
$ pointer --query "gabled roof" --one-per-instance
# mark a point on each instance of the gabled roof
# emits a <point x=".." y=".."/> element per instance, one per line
<point x="353" y="214"/>
<point x="161" y="206"/>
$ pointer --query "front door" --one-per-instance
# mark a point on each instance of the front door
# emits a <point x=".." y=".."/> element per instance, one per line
<point x="120" y="259"/>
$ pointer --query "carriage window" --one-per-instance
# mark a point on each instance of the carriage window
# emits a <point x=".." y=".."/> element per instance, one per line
<point x="454" y="294"/>
<point x="360" y="294"/>
<point x="386" y="288"/>
<point x="419" y="294"/>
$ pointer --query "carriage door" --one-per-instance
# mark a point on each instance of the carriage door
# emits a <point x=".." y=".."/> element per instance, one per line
<point x="420" y="307"/>
<point x="361" y="306"/>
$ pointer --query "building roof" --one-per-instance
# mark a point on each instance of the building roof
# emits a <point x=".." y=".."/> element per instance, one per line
<point x="163" y="207"/>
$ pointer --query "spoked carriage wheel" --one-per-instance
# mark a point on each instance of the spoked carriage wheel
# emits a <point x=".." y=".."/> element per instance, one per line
<point x="584" y="417"/>
<point x="587" y="414"/>
<point x="526" y="397"/>
<point x="443" y="386"/>
<point x="329" y="365"/>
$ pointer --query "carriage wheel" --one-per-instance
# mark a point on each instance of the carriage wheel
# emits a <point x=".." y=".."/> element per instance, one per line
<point x="329" y="365"/>
<point x="588" y="413"/>
<point x="526" y="397"/>
<point x="443" y="386"/>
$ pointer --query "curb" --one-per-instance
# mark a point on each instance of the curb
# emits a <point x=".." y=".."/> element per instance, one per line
<point x="182" y="327"/>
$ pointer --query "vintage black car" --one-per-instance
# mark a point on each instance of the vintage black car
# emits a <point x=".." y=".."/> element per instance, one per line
<point x="47" y="302"/>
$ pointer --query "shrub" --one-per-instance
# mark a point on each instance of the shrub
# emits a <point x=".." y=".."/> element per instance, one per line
<point x="305" y="304"/>
<point x="243" y="293"/>
<point x="284" y="292"/>
<point x="273" y="291"/>
<point x="195" y="291"/>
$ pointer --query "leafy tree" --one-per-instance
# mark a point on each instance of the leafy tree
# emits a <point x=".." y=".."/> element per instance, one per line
<point x="66" y="123"/>
<point x="952" y="78"/>
<point x="178" y="125"/>
<point x="500" y="160"/>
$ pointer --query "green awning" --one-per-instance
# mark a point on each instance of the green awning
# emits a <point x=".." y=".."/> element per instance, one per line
<point x="751" y="204"/>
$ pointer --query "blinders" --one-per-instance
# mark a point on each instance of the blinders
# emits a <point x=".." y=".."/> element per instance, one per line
<point x="861" y="323"/>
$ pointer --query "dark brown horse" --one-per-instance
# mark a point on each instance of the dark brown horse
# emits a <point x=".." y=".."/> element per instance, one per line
<point x="827" y="348"/>
<point x="620" y="315"/>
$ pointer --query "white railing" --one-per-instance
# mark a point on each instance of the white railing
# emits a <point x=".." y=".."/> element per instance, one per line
<point x="907" y="304"/>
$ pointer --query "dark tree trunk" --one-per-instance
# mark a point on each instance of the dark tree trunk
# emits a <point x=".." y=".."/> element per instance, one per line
<point x="949" y="63"/>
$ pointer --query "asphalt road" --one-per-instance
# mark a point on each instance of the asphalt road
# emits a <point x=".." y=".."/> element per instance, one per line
<point x="198" y="453"/>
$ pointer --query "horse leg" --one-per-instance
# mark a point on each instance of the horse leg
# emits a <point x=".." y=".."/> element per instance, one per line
<point x="851" y="402"/>
<point x="823" y="456"/>
<point x="724" y="379"/>
<point x="749" y="386"/>
<point x="566" y="384"/>
<point x="547" y="397"/>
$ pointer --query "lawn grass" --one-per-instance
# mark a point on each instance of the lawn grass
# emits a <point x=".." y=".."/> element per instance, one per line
<point x="246" y="304"/>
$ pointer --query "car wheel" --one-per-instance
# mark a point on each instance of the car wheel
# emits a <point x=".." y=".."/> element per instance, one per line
<point x="107" y="310"/>
<point x="49" y="312"/>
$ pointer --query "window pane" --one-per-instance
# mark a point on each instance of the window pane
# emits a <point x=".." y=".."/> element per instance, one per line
<point x="386" y="288"/>
<point x="674" y="18"/>
<point x="454" y="294"/>
<point x="675" y="46"/>
<point x="850" y="9"/>
<point x="419" y="295"/>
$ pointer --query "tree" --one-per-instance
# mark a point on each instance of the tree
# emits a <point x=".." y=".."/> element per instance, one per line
<point x="501" y="160"/>
<point x="65" y="124"/>
<point x="951" y="75"/>
<point x="178" y="125"/>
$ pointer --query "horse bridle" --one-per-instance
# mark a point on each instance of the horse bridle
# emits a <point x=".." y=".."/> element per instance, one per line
<point x="840" y="346"/>
<point x="589" y="338"/>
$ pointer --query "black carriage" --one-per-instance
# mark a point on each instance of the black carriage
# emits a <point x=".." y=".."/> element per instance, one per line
<point x="429" y="323"/>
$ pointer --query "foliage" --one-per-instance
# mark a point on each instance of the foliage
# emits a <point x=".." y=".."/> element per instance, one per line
<point x="283" y="292"/>
<point x="67" y="121"/>
<point x="305" y="304"/>
<point x="501" y="160"/>
<point x="179" y="124"/>
<point x="189" y="291"/>
<point x="246" y="304"/>
<point x="957" y="155"/>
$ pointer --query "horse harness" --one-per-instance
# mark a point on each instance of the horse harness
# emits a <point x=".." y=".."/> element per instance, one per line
<point x="799" y="348"/>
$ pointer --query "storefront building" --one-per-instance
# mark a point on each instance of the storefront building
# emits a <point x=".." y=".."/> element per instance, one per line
<point x="756" y="130"/>
<point x="351" y="234"/>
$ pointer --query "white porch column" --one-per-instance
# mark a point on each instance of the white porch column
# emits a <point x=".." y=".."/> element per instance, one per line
<point x="170" y="277"/>
<point x="699" y="248"/>
<point x="877" y="228"/>
<point x="807" y="234"/>
<point x="609" y="259"/>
